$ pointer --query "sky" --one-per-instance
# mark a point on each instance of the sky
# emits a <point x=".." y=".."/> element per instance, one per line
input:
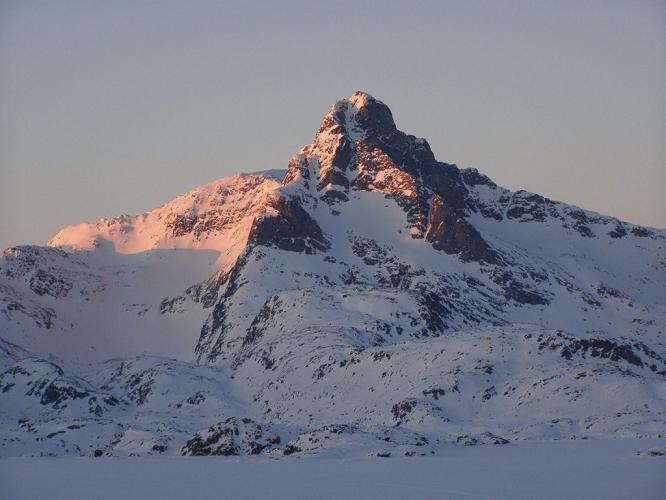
<point x="117" y="107"/>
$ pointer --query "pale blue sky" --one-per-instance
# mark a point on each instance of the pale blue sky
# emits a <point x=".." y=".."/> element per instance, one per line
<point x="112" y="107"/>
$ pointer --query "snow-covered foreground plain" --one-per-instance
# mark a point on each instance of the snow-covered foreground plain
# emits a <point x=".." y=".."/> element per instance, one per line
<point x="586" y="469"/>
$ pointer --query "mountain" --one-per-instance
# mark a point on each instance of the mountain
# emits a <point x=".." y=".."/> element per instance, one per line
<point x="368" y="300"/>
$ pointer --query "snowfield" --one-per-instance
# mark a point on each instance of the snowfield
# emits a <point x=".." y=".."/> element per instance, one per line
<point x="587" y="469"/>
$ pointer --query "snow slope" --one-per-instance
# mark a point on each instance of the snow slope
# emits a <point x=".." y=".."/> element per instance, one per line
<point x="103" y="290"/>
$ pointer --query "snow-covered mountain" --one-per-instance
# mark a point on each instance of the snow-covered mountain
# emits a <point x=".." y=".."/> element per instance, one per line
<point x="369" y="299"/>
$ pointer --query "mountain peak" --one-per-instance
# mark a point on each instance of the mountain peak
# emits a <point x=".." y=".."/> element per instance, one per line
<point x="360" y="98"/>
<point x="357" y="117"/>
<point x="487" y="313"/>
<point x="372" y="115"/>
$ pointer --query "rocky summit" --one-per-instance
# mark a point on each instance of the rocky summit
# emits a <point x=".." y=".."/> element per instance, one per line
<point x="369" y="300"/>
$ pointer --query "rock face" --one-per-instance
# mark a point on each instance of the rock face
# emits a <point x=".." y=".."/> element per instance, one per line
<point x="449" y="232"/>
<point x="290" y="228"/>
<point x="232" y="437"/>
<point x="368" y="299"/>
